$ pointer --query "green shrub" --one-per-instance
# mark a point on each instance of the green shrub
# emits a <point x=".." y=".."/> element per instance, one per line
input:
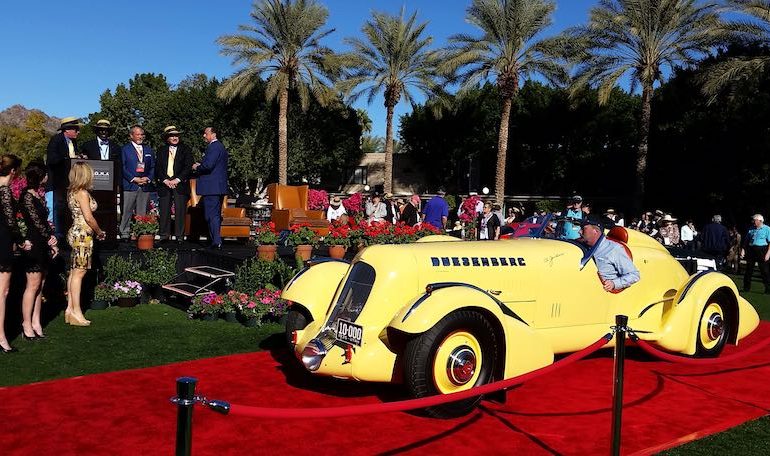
<point x="158" y="267"/>
<point x="255" y="274"/>
<point x="120" y="269"/>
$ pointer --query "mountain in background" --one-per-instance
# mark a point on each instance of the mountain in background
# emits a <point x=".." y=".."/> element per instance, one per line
<point x="16" y="115"/>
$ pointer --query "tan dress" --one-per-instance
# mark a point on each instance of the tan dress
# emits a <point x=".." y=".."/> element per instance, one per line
<point x="80" y="236"/>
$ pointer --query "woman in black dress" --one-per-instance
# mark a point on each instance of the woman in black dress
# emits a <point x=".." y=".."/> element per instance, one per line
<point x="38" y="258"/>
<point x="10" y="236"/>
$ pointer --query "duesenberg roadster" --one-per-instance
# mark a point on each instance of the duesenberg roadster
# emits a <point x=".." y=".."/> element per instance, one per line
<point x="444" y="315"/>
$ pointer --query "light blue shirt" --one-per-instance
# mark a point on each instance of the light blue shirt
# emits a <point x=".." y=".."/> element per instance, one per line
<point x="759" y="236"/>
<point x="613" y="263"/>
<point x="572" y="230"/>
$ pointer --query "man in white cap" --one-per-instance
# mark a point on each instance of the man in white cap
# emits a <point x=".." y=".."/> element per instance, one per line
<point x="755" y="250"/>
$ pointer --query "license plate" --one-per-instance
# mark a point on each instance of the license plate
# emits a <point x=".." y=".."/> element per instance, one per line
<point x="349" y="332"/>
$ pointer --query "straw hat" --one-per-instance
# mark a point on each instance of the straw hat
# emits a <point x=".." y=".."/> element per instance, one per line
<point x="103" y="124"/>
<point x="69" y="123"/>
<point x="668" y="218"/>
<point x="336" y="201"/>
<point x="171" y="131"/>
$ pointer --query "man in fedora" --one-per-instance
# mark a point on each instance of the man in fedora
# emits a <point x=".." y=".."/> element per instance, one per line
<point x="61" y="149"/>
<point x="172" y="177"/>
<point x="101" y="148"/>
<point x="335" y="210"/>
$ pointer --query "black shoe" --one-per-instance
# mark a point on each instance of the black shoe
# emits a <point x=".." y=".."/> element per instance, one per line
<point x="26" y="337"/>
<point x="9" y="350"/>
<point x="41" y="336"/>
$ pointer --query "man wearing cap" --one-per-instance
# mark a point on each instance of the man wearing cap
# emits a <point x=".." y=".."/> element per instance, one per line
<point x="574" y="213"/>
<point x="436" y="210"/>
<point x="755" y="250"/>
<point x="172" y="177"/>
<point x="101" y="148"/>
<point x="138" y="173"/>
<point x="212" y="184"/>
<point x="335" y="210"/>
<point x="616" y="270"/>
<point x="62" y="148"/>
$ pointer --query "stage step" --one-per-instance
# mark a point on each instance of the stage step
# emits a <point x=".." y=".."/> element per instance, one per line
<point x="210" y="272"/>
<point x="186" y="289"/>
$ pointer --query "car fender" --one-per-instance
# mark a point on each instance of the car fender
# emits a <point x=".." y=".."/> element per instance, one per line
<point x="680" y="322"/>
<point x="524" y="349"/>
<point x="313" y="287"/>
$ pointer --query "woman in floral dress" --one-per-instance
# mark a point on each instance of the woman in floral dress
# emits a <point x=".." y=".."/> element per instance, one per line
<point x="80" y="237"/>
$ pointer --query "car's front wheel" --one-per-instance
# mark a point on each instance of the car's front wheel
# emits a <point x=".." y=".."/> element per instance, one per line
<point x="456" y="354"/>
<point x="713" y="328"/>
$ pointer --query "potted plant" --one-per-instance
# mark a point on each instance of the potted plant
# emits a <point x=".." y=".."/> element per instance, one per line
<point x="338" y="240"/>
<point x="230" y="304"/>
<point x="206" y="306"/>
<point x="266" y="238"/>
<point x="252" y="311"/>
<point x="271" y="299"/>
<point x="127" y="293"/>
<point x="158" y="267"/>
<point x="104" y="294"/>
<point x="144" y="227"/>
<point x="303" y="239"/>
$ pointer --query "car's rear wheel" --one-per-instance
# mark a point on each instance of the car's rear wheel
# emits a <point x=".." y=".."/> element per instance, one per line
<point x="456" y="354"/>
<point x="713" y="328"/>
<point x="295" y="320"/>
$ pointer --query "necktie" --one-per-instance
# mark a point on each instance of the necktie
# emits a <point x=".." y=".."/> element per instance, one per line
<point x="170" y="166"/>
<point x="71" y="148"/>
<point x="139" y="154"/>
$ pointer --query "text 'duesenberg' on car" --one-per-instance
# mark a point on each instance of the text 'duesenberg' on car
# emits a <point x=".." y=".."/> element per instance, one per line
<point x="444" y="315"/>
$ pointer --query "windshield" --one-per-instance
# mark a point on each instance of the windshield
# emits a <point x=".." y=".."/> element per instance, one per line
<point x="549" y="226"/>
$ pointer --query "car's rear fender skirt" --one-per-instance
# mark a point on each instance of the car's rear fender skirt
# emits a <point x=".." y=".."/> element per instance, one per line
<point x="315" y="286"/>
<point x="523" y="349"/>
<point x="680" y="320"/>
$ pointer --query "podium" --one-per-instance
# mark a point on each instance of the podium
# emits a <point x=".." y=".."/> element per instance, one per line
<point x="105" y="192"/>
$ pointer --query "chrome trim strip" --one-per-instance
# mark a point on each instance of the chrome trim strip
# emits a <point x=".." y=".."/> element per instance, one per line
<point x="439" y="285"/>
<point x="695" y="278"/>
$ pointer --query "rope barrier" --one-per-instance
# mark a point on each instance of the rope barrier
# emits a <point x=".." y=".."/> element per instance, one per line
<point x="411" y="404"/>
<point x="665" y="356"/>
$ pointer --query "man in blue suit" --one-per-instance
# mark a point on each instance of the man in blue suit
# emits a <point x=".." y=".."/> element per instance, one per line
<point x="138" y="172"/>
<point x="212" y="184"/>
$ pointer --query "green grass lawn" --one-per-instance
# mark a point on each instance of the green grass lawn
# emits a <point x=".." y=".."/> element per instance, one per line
<point x="125" y="338"/>
<point x="151" y="335"/>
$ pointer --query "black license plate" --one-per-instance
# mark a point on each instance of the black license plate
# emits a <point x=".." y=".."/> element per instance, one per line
<point x="349" y="332"/>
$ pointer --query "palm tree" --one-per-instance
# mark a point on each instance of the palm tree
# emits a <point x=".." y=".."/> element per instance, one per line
<point x="507" y="51"/>
<point x="393" y="58"/>
<point x="718" y="76"/>
<point x="642" y="38"/>
<point x="285" y="44"/>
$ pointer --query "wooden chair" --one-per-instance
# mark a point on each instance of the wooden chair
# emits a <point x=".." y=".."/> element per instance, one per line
<point x="290" y="207"/>
<point x="234" y="221"/>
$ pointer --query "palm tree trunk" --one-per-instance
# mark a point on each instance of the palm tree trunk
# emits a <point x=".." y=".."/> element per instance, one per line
<point x="502" y="150"/>
<point x="389" y="151"/>
<point x="641" y="154"/>
<point x="283" y="133"/>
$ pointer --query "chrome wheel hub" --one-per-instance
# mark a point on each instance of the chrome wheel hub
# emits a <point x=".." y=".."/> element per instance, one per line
<point x="461" y="365"/>
<point x="715" y="326"/>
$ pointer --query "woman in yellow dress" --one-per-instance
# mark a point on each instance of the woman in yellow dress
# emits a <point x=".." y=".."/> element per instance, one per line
<point x="80" y="237"/>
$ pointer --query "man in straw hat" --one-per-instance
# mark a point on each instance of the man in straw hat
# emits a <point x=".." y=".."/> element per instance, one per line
<point x="336" y="209"/>
<point x="61" y="149"/>
<point x="101" y="148"/>
<point x="172" y="174"/>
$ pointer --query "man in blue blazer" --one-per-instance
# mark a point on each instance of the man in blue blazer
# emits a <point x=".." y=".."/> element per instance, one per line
<point x="212" y="184"/>
<point x="138" y="172"/>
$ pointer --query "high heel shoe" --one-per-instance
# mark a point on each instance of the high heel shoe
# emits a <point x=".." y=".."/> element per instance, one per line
<point x="26" y="337"/>
<point x="39" y="335"/>
<point x="9" y="350"/>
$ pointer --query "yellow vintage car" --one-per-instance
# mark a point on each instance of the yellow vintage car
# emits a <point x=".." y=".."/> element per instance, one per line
<point x="444" y="315"/>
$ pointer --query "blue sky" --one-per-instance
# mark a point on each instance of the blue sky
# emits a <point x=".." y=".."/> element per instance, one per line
<point x="60" y="56"/>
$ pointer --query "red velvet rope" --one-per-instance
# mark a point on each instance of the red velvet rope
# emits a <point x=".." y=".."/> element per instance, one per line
<point x="367" y="409"/>
<point x="665" y="356"/>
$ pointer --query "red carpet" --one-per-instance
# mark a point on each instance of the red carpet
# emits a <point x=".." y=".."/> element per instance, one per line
<point x="565" y="412"/>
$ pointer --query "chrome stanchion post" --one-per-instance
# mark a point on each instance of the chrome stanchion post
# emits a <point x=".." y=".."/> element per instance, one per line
<point x="185" y="400"/>
<point x="621" y="322"/>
